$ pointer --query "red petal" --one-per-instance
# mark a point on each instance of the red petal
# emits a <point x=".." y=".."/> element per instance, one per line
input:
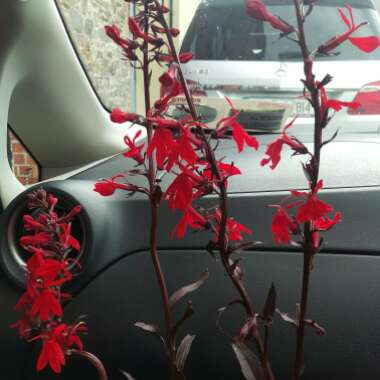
<point x="366" y="44"/>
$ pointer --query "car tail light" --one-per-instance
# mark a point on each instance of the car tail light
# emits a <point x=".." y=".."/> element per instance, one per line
<point x="369" y="99"/>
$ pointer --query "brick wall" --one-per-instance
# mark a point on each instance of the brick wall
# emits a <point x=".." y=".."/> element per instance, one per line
<point x="23" y="164"/>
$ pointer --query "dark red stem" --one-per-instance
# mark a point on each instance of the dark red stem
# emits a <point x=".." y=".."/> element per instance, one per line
<point x="223" y="242"/>
<point x="155" y="203"/>
<point x="308" y="245"/>
<point x="95" y="361"/>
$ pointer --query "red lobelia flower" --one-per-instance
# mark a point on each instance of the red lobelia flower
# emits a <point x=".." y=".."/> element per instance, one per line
<point x="314" y="208"/>
<point x="114" y="33"/>
<point x="162" y="143"/>
<point x="120" y="117"/>
<point x="282" y="226"/>
<point x="107" y="187"/>
<point x="180" y="193"/>
<point x="334" y="104"/>
<point x="335" y="41"/>
<point x="46" y="304"/>
<point x="51" y="354"/>
<point x="190" y="218"/>
<point x="66" y="239"/>
<point x="38" y="240"/>
<point x="274" y="149"/>
<point x="257" y="10"/>
<point x="134" y="151"/>
<point x="366" y="44"/>
<point x="326" y="223"/>
<point x="239" y="134"/>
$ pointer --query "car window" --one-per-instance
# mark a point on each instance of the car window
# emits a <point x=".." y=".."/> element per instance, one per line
<point x="100" y="57"/>
<point x="221" y="30"/>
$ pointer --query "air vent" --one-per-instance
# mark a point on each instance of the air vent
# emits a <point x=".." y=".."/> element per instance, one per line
<point x="13" y="257"/>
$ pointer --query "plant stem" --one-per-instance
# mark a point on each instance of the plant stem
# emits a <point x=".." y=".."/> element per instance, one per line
<point x="95" y="361"/>
<point x="155" y="204"/>
<point x="299" y="361"/>
<point x="222" y="241"/>
<point x="308" y="244"/>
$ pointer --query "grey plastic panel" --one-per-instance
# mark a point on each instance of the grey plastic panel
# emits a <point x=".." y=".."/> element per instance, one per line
<point x="118" y="226"/>
<point x="351" y="161"/>
<point x="343" y="299"/>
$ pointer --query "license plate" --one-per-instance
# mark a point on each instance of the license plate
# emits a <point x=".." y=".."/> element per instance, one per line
<point x="302" y="108"/>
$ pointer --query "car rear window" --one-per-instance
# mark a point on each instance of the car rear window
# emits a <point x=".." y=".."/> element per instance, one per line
<point x="221" y="30"/>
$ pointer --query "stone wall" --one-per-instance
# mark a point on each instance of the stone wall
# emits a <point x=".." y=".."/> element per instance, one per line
<point x="110" y="75"/>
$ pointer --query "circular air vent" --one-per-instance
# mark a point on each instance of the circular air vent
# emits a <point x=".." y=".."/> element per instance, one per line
<point x="13" y="257"/>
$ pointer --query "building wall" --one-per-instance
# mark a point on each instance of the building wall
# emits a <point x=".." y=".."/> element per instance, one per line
<point x="23" y="164"/>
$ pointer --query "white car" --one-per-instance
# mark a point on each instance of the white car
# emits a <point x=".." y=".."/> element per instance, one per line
<point x="245" y="59"/>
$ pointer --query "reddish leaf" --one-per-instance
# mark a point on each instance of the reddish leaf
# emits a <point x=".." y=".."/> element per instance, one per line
<point x="249" y="363"/>
<point x="183" y="351"/>
<point x="180" y="293"/>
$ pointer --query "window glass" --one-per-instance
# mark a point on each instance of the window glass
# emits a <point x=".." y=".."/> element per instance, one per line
<point x="101" y="58"/>
<point x="221" y="30"/>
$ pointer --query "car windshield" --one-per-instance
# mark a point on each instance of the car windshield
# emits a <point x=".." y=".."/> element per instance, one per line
<point x="221" y="30"/>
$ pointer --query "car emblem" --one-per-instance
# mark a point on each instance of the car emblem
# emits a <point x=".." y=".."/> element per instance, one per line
<point x="281" y="72"/>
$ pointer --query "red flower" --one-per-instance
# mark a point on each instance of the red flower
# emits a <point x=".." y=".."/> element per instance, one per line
<point x="226" y="171"/>
<point x="183" y="58"/>
<point x="162" y="143"/>
<point x="51" y="353"/>
<point x="46" y="305"/>
<point x="335" y="41"/>
<point x="180" y="193"/>
<point x="134" y="151"/>
<point x="274" y="149"/>
<point x="53" y="273"/>
<point x="108" y="187"/>
<point x="30" y="224"/>
<point x="174" y="32"/>
<point x="282" y="226"/>
<point x="233" y="228"/>
<point x="66" y="239"/>
<point x="325" y="223"/>
<point x="113" y="32"/>
<point x="183" y="149"/>
<point x="239" y="134"/>
<point x="118" y="116"/>
<point x="137" y="32"/>
<point x="190" y="218"/>
<point x="23" y="325"/>
<point x="366" y="44"/>
<point x="335" y="104"/>
<point x="37" y="240"/>
<point x="257" y="10"/>
<point x="314" y="208"/>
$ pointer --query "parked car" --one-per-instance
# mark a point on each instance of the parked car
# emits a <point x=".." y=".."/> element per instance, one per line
<point x="243" y="59"/>
<point x="55" y="111"/>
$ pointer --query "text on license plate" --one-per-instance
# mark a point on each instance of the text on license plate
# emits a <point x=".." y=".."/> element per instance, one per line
<point x="302" y="108"/>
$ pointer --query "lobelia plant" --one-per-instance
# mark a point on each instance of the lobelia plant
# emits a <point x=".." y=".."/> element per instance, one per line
<point x="302" y="215"/>
<point x="52" y="260"/>
<point x="186" y="149"/>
